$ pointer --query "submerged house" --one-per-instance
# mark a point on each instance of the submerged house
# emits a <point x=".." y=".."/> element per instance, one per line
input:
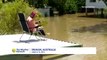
<point x="96" y="5"/>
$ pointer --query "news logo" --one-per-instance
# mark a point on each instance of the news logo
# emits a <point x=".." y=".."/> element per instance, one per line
<point x="19" y="50"/>
<point x="13" y="50"/>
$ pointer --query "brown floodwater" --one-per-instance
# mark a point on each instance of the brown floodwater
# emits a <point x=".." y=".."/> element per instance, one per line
<point x="88" y="31"/>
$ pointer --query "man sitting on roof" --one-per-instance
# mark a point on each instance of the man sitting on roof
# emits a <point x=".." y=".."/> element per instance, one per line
<point x="34" y="25"/>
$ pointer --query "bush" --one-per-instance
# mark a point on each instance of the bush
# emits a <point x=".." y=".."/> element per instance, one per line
<point x="9" y="23"/>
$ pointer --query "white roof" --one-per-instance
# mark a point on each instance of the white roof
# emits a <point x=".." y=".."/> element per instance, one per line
<point x="34" y="41"/>
<point x="9" y="42"/>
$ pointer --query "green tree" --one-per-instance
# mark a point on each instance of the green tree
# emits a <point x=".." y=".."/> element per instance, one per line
<point x="64" y="6"/>
<point x="70" y="6"/>
<point x="79" y="4"/>
<point x="38" y="3"/>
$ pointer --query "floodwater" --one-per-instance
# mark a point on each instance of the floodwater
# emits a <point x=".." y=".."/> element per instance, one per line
<point x="89" y="31"/>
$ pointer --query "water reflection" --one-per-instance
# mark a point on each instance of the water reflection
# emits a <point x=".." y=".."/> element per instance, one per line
<point x="96" y="28"/>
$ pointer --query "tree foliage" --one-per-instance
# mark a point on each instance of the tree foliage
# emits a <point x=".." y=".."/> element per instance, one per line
<point x="38" y="3"/>
<point x="0" y="5"/>
<point x="9" y="23"/>
<point x="67" y="6"/>
<point x="79" y="4"/>
<point x="70" y="6"/>
<point x="63" y="6"/>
